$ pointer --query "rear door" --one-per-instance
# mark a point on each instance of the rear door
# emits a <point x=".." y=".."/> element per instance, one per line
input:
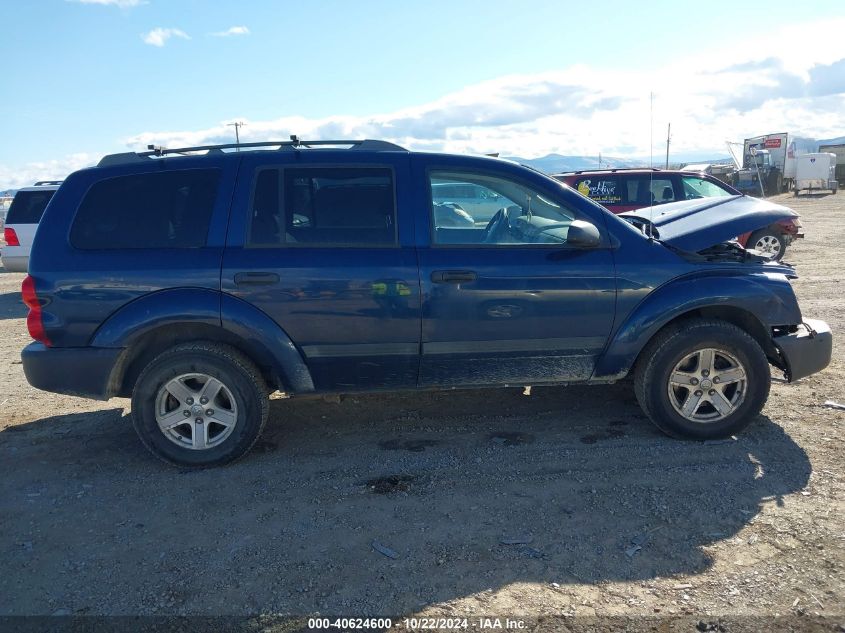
<point x="322" y="247"/>
<point x="512" y="302"/>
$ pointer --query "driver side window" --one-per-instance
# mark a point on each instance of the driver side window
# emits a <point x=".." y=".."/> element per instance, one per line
<point x="475" y="208"/>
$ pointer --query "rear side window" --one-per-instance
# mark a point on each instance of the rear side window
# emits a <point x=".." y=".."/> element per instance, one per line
<point x="627" y="189"/>
<point x="335" y="206"/>
<point x="158" y="210"/>
<point x="606" y="190"/>
<point x="661" y="189"/>
<point x="28" y="206"/>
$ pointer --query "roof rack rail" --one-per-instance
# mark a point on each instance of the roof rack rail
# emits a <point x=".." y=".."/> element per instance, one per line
<point x="42" y="183"/>
<point x="294" y="143"/>
<point x="608" y="169"/>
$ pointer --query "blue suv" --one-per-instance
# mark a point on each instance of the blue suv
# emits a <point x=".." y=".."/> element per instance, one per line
<point x="200" y="280"/>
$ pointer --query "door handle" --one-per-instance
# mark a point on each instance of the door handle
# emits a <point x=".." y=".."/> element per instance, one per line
<point x="453" y="276"/>
<point x="256" y="279"/>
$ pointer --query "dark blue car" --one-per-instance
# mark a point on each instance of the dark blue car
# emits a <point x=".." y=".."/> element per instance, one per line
<point x="199" y="280"/>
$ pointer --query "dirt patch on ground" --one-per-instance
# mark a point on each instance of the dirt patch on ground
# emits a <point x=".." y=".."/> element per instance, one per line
<point x="567" y="501"/>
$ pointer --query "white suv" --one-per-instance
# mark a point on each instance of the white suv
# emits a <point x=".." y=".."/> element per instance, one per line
<point x="22" y="220"/>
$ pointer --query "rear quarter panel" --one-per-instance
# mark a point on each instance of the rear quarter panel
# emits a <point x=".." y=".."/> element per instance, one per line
<point x="82" y="288"/>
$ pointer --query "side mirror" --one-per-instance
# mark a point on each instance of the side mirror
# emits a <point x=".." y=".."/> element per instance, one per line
<point x="583" y="234"/>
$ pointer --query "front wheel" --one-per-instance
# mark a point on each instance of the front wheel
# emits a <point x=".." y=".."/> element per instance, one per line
<point x="702" y="380"/>
<point x="199" y="405"/>
<point x="769" y="242"/>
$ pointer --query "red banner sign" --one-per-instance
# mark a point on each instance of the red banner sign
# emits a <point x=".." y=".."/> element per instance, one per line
<point x="772" y="143"/>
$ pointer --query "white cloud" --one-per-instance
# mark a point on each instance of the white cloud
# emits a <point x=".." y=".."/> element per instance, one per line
<point x="234" y="30"/>
<point x="30" y="173"/>
<point x="123" y="4"/>
<point x="709" y="98"/>
<point x="586" y="110"/>
<point x="159" y="36"/>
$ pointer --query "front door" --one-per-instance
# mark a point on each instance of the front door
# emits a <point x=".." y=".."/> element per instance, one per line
<point x="509" y="300"/>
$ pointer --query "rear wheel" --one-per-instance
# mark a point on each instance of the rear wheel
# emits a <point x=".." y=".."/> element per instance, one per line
<point x="775" y="183"/>
<point x="702" y="380"/>
<point x="768" y="241"/>
<point x="199" y="405"/>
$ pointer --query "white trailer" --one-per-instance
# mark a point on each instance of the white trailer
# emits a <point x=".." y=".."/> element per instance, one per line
<point x="815" y="171"/>
<point x="839" y="150"/>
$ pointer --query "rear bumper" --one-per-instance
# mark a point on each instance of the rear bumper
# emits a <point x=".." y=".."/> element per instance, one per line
<point x="15" y="264"/>
<point x="807" y="350"/>
<point x="75" y="371"/>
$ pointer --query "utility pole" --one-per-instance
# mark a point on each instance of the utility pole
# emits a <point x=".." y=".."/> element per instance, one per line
<point x="237" y="125"/>
<point x="668" y="136"/>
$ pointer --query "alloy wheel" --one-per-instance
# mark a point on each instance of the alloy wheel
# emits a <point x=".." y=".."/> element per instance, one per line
<point x="707" y="385"/>
<point x="196" y="411"/>
<point x="768" y="244"/>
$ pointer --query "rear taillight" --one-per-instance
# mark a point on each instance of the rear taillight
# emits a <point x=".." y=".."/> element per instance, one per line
<point x="34" y="322"/>
<point x="11" y="237"/>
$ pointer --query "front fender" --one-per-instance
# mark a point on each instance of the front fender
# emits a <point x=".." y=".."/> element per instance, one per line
<point x="767" y="297"/>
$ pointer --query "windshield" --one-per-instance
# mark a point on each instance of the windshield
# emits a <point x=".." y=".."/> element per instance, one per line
<point x="760" y="160"/>
<point x="696" y="187"/>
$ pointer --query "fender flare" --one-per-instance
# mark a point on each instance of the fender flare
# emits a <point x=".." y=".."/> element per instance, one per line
<point x="765" y="297"/>
<point x="257" y="334"/>
<point x="267" y="342"/>
<point x="157" y="309"/>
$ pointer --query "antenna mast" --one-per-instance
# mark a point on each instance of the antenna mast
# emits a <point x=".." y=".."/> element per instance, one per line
<point x="651" y="164"/>
<point x="237" y="125"/>
<point x="668" y="136"/>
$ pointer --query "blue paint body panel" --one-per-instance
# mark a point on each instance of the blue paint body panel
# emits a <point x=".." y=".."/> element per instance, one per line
<point x="333" y="319"/>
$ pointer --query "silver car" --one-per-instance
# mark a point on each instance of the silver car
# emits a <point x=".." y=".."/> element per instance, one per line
<point x="478" y="201"/>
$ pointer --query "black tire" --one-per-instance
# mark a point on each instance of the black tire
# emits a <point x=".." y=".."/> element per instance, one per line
<point x="773" y="184"/>
<point x="244" y="396"/>
<point x="663" y="353"/>
<point x="768" y="235"/>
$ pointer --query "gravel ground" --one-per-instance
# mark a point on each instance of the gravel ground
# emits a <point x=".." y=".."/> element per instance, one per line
<point x="564" y="502"/>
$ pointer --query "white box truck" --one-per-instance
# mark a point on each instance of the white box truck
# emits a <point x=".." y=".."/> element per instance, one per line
<point x="768" y="163"/>
<point x="815" y="171"/>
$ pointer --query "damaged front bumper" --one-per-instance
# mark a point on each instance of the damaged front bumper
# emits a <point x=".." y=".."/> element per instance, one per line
<point x="807" y="350"/>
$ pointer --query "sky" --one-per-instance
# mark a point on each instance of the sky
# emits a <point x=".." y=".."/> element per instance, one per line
<point x="84" y="78"/>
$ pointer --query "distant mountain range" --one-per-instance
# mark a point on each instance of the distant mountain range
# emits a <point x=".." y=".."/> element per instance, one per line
<point x="556" y="163"/>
